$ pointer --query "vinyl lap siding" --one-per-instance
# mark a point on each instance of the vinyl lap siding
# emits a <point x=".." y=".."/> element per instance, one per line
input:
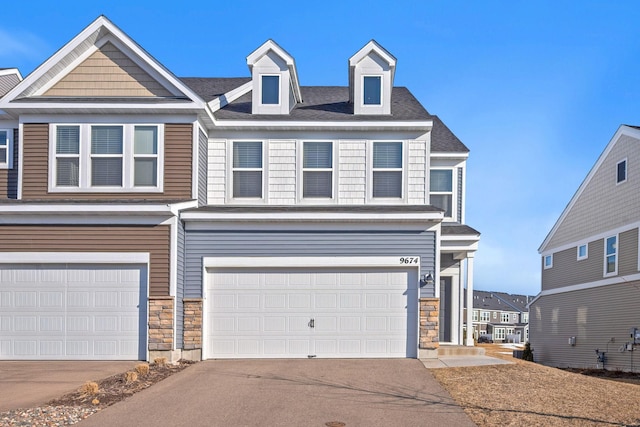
<point x="201" y="244"/>
<point x="594" y="316"/>
<point x="567" y="270"/>
<point x="9" y="177"/>
<point x="42" y="238"/>
<point x="180" y="286"/>
<point x="178" y="149"/>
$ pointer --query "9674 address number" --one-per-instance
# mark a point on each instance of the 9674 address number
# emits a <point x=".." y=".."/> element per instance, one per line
<point x="409" y="260"/>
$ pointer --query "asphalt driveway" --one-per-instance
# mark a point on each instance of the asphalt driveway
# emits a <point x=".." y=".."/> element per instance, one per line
<point x="33" y="383"/>
<point x="317" y="392"/>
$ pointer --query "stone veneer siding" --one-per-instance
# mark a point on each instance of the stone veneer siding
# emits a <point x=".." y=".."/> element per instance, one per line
<point x="160" y="323"/>
<point x="192" y="323"/>
<point x="429" y="313"/>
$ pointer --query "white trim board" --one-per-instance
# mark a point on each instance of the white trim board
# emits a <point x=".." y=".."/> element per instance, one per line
<point x="74" y="258"/>
<point x="308" y="262"/>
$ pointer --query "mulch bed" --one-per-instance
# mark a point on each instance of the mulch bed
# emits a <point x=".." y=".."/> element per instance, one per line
<point x="627" y="377"/>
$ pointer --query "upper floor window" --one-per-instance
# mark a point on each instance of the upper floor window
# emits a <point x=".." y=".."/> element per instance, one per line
<point x="387" y="169"/>
<point x="548" y="261"/>
<point x="583" y="252"/>
<point x="6" y="142"/>
<point x="611" y="255"/>
<point x="270" y="89"/>
<point x="247" y="169"/>
<point x="525" y="317"/>
<point x="505" y="318"/>
<point x="441" y="190"/>
<point x="372" y="90"/>
<point x="621" y="171"/>
<point x="106" y="158"/>
<point x="474" y="316"/>
<point x="317" y="170"/>
<point x="485" y="316"/>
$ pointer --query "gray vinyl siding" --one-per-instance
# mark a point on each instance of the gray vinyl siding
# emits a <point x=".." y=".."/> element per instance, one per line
<point x="460" y="195"/>
<point x="180" y="286"/>
<point x="599" y="318"/>
<point x="231" y="243"/>
<point x="567" y="270"/>
<point x="202" y="168"/>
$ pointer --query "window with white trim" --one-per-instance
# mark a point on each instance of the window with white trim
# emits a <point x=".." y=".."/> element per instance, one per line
<point x="583" y="252"/>
<point x="505" y="318"/>
<point x="6" y="148"/>
<point x="88" y="157"/>
<point x="621" y="171"/>
<point x="372" y="90"/>
<point x="495" y="315"/>
<point x="247" y="169"/>
<point x="474" y="316"/>
<point x="387" y="170"/>
<point x="548" y="261"/>
<point x="485" y="316"/>
<point x="525" y="317"/>
<point x="441" y="190"/>
<point x="611" y="255"/>
<point x="498" y="334"/>
<point x="270" y="89"/>
<point x="317" y="170"/>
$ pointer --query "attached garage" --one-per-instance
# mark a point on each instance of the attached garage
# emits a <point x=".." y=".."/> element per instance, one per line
<point x="332" y="307"/>
<point x="88" y="311"/>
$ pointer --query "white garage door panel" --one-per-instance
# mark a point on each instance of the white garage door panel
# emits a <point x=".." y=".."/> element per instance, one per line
<point x="72" y="312"/>
<point x="267" y="312"/>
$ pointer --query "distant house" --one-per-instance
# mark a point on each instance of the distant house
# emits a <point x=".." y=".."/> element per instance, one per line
<point x="500" y="317"/>
<point x="590" y="267"/>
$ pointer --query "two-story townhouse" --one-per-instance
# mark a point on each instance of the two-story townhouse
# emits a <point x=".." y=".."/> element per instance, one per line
<point x="499" y="317"/>
<point x="591" y="269"/>
<point x="238" y="217"/>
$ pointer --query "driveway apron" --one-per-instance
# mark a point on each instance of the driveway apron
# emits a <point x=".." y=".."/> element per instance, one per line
<point x="317" y="392"/>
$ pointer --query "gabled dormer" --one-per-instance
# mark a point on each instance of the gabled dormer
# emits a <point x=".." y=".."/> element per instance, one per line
<point x="276" y="89"/>
<point x="371" y="73"/>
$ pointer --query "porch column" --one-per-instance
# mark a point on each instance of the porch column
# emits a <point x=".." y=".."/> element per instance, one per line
<point x="469" y="280"/>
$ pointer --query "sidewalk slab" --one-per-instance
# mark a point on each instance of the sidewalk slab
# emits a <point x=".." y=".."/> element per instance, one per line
<point x="462" y="361"/>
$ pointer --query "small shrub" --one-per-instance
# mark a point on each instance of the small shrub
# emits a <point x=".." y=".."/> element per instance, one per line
<point x="89" y="388"/>
<point x="160" y="361"/>
<point x="130" y="377"/>
<point x="142" y="369"/>
<point x="527" y="353"/>
<point x="95" y="402"/>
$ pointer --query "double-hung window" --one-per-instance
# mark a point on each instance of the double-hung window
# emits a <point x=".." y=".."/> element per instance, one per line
<point x="474" y="316"/>
<point x="611" y="255"/>
<point x="387" y="169"/>
<point x="441" y="190"/>
<point x="485" y="316"/>
<point x="6" y="139"/>
<point x="88" y="157"/>
<point x="317" y="170"/>
<point x="505" y="318"/>
<point x="247" y="169"/>
<point x="372" y="90"/>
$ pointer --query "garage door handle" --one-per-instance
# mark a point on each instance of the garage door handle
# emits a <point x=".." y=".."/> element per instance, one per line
<point x="312" y="323"/>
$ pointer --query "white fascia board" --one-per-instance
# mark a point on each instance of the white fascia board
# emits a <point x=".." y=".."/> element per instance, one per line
<point x="592" y="238"/>
<point x="460" y="247"/>
<point x="108" y="118"/>
<point x="448" y="155"/>
<point x="9" y="71"/>
<point x="75" y="257"/>
<point x="622" y="130"/>
<point x="373" y="46"/>
<point x="311" y="217"/>
<point x="590" y="285"/>
<point x="461" y="237"/>
<point x="355" y="125"/>
<point x="327" y="261"/>
<point x="52" y="208"/>
<point x="230" y="96"/>
<point x="187" y="107"/>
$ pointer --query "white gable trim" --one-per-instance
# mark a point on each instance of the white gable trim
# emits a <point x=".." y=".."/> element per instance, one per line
<point x="270" y="45"/>
<point x="122" y="41"/>
<point x="373" y="46"/>
<point x="622" y="130"/>
<point x="9" y="71"/>
<point x="229" y="97"/>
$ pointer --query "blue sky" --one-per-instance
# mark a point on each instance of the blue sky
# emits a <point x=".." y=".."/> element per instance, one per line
<point x="534" y="89"/>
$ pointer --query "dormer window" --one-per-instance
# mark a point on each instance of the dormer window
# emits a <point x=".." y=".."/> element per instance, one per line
<point x="270" y="90"/>
<point x="372" y="90"/>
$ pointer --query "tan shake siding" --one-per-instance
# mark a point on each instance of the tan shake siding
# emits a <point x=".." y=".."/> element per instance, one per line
<point x="154" y="240"/>
<point x="567" y="270"/>
<point x="9" y="177"/>
<point x="594" y="316"/>
<point x="178" y="148"/>
<point x="108" y="72"/>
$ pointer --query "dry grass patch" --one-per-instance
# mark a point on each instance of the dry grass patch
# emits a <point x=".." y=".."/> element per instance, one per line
<point x="142" y="369"/>
<point x="527" y="393"/>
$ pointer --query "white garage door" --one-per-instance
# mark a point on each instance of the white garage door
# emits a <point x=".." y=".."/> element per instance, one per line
<point x="321" y="312"/>
<point x="72" y="312"/>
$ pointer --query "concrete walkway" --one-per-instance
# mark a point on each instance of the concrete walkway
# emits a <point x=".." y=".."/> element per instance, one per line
<point x="378" y="392"/>
<point x="33" y="383"/>
<point x="461" y="361"/>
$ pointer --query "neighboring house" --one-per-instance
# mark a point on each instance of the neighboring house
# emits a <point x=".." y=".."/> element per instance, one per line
<point x="500" y="317"/>
<point x="148" y="215"/>
<point x="590" y="267"/>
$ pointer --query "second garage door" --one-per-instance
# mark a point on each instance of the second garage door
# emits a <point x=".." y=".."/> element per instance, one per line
<point x="311" y="312"/>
